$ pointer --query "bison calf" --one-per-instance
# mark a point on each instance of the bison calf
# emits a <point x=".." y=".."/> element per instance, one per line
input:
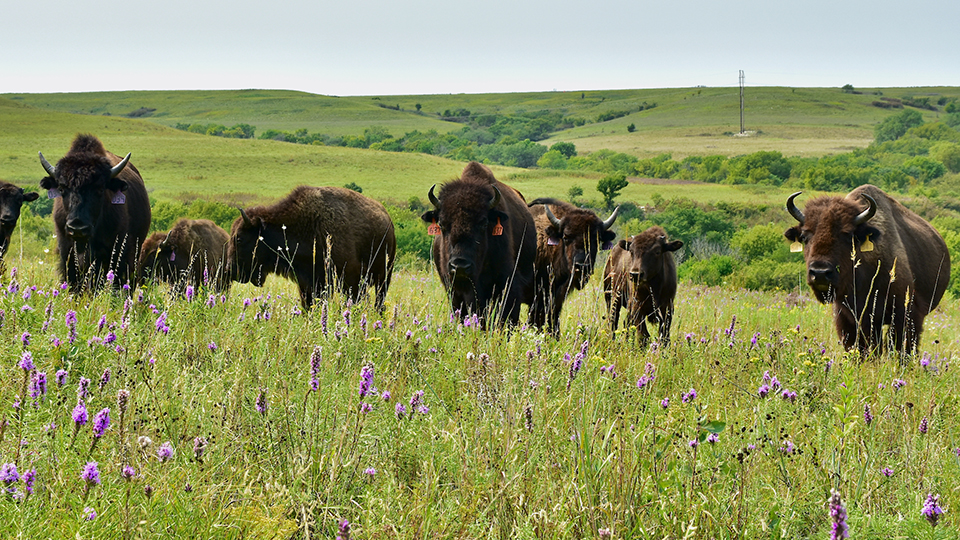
<point x="11" y="200"/>
<point x="319" y="237"/>
<point x="192" y="253"/>
<point x="642" y="274"/>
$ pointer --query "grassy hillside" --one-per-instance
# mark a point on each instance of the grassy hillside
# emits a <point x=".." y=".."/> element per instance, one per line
<point x="685" y="121"/>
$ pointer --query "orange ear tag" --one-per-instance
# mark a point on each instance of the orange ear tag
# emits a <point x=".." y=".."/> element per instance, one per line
<point x="796" y="247"/>
<point x="867" y="245"/>
<point x="497" y="229"/>
<point x="433" y="229"/>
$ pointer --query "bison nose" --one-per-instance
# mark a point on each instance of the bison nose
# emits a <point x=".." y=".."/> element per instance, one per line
<point x="821" y="273"/>
<point x="76" y="229"/>
<point x="637" y="277"/>
<point x="8" y="221"/>
<point x="460" y="265"/>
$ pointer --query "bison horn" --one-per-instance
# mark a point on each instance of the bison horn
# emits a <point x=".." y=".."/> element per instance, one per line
<point x="246" y="219"/>
<point x="496" y="198"/>
<point x="433" y="198"/>
<point x="868" y="213"/>
<point x="51" y="170"/>
<point x="613" y="217"/>
<point x="119" y="166"/>
<point x="553" y="219"/>
<point x="792" y="208"/>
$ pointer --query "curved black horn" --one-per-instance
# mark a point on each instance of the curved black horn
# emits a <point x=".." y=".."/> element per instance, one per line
<point x="496" y="198"/>
<point x="613" y="217"/>
<point x="868" y="213"/>
<point x="166" y="240"/>
<point x="246" y="219"/>
<point x="553" y="219"/>
<point x="119" y="166"/>
<point x="433" y="198"/>
<point x="792" y="208"/>
<point x="51" y="170"/>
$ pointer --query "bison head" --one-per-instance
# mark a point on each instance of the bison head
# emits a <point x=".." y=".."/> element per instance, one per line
<point x="158" y="259"/>
<point x="249" y="257"/>
<point x="647" y="251"/>
<point x="11" y="200"/>
<point x="85" y="181"/>
<point x="830" y="229"/>
<point x="580" y="234"/>
<point x="466" y="217"/>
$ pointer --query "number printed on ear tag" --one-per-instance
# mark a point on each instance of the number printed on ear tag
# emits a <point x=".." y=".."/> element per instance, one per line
<point x="796" y="247"/>
<point x="497" y="229"/>
<point x="433" y="229"/>
<point x="53" y="193"/>
<point x="867" y="245"/>
<point x="119" y="198"/>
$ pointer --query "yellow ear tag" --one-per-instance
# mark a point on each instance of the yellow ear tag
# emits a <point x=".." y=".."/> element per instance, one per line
<point x="433" y="229"/>
<point x="867" y="245"/>
<point x="796" y="247"/>
<point x="497" y="229"/>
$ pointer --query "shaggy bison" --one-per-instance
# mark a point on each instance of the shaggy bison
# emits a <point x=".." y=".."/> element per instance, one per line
<point x="11" y="200"/>
<point x="194" y="252"/>
<point x="485" y="244"/>
<point x="101" y="214"/>
<point x="642" y="275"/>
<point x="876" y="261"/>
<point x="568" y="239"/>
<point x="319" y="237"/>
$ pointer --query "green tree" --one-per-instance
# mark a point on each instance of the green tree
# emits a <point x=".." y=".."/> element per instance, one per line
<point x="847" y="88"/>
<point x="947" y="153"/>
<point x="894" y="127"/>
<point x="574" y="192"/>
<point x="418" y="106"/>
<point x="354" y="187"/>
<point x="611" y="186"/>
<point x="565" y="148"/>
<point x="552" y="160"/>
<point x="631" y="128"/>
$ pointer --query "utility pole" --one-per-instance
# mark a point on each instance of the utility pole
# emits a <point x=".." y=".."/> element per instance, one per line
<point x="741" y="102"/>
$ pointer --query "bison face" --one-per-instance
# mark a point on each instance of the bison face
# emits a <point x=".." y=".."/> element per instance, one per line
<point x="11" y="200"/>
<point x="646" y="257"/>
<point x="159" y="259"/>
<point x="246" y="250"/>
<point x="830" y="230"/>
<point x="85" y="184"/>
<point x="580" y="235"/>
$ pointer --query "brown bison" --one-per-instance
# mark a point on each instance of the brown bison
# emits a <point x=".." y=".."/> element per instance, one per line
<point x="642" y="274"/>
<point x="194" y="252"/>
<point x="11" y="200"/>
<point x="485" y="246"/>
<point x="319" y="237"/>
<point x="876" y="261"/>
<point x="568" y="239"/>
<point x="101" y="214"/>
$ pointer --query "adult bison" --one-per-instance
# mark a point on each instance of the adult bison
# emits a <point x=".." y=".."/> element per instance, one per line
<point x="641" y="275"/>
<point x="101" y="214"/>
<point x="876" y="261"/>
<point x="568" y="239"/>
<point x="11" y="200"/>
<point x="485" y="244"/>
<point x="194" y="252"/>
<point x="319" y="237"/>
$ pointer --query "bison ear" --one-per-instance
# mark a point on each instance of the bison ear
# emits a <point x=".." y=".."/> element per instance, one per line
<point x="792" y="234"/>
<point x="607" y="236"/>
<point x="429" y="216"/>
<point x="865" y="231"/>
<point x="624" y="245"/>
<point x="673" y="246"/>
<point x="31" y="196"/>
<point x="48" y="182"/>
<point x="116" y="184"/>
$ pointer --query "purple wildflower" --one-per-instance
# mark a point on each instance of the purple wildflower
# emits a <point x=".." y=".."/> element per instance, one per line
<point x="788" y="448"/>
<point x="694" y="444"/>
<point x="400" y="410"/>
<point x="315" y="358"/>
<point x="89" y="514"/>
<point x="366" y="380"/>
<point x="346" y="317"/>
<point x="867" y="416"/>
<point x="931" y="509"/>
<point x="343" y="530"/>
<point x="189" y="293"/>
<point x="161" y="323"/>
<point x="8" y="474"/>
<point x="886" y="471"/>
<point x="29" y="478"/>
<point x="165" y="452"/>
<point x="101" y="323"/>
<point x="90" y="474"/>
<point x="365" y="407"/>
<point x="897" y="384"/>
<point x="370" y="471"/>
<point x="665" y="402"/>
<point x="261" y="403"/>
<point x="416" y="400"/>
<point x="104" y="379"/>
<point x="838" y="513"/>
<point x="61" y="377"/>
<point x="128" y="473"/>
<point x="385" y="395"/>
<point x="38" y="384"/>
<point x="79" y="414"/>
<point x="923" y="426"/>
<point x="691" y="395"/>
<point x="764" y="390"/>
<point x="123" y="400"/>
<point x="25" y="339"/>
<point x="199" y="445"/>
<point x="713" y="438"/>
<point x="789" y="395"/>
<point x="101" y="421"/>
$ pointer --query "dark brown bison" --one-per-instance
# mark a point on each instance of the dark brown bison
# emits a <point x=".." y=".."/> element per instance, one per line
<point x="876" y="261"/>
<point x="485" y="245"/>
<point x="194" y="252"/>
<point x="568" y="239"/>
<point x="641" y="275"/>
<point x="101" y="214"/>
<point x="11" y="200"/>
<point x="319" y="237"/>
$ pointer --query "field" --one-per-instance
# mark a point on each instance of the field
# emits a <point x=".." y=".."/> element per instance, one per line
<point x="156" y="414"/>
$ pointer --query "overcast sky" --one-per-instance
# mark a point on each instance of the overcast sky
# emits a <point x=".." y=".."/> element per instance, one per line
<point x="370" y="47"/>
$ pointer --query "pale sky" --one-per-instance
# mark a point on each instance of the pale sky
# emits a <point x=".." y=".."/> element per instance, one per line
<point x="375" y="47"/>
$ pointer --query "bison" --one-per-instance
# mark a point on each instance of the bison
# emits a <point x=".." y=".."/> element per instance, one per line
<point x="642" y="274"/>
<point x="485" y="245"/>
<point x="101" y="214"/>
<point x="319" y="237"/>
<point x="11" y="200"/>
<point x="194" y="252"/>
<point x="568" y="239"/>
<point x="876" y="261"/>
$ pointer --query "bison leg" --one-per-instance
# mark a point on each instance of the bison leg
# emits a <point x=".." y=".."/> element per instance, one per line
<point x="665" y="316"/>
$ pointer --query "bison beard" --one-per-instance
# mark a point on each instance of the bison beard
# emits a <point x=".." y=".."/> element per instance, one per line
<point x="878" y="265"/>
<point x="485" y="245"/>
<point x="321" y="238"/>
<point x="101" y="214"/>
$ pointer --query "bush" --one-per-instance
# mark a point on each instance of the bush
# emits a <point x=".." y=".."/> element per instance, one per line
<point x="759" y="242"/>
<point x="894" y="127"/>
<point x="764" y="275"/>
<point x="710" y="272"/>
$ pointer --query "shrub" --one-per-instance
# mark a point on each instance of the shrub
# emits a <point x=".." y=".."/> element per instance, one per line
<point x="710" y="272"/>
<point x="764" y="275"/>
<point x="758" y="242"/>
